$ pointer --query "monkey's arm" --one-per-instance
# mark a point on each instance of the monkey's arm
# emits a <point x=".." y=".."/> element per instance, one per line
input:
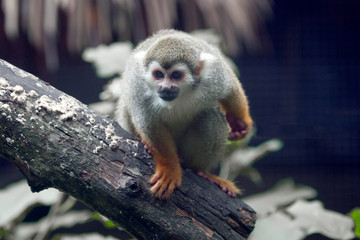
<point x="236" y="108"/>
<point x="168" y="173"/>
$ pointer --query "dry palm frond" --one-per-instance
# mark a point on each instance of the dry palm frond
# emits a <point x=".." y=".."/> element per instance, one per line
<point x="85" y="23"/>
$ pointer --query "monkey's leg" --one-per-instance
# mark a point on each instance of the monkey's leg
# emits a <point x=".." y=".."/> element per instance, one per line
<point x="168" y="174"/>
<point x="203" y="145"/>
<point x="225" y="185"/>
<point x="236" y="108"/>
<point x="238" y="118"/>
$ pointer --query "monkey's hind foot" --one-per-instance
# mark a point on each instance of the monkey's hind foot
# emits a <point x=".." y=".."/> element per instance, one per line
<point x="164" y="182"/>
<point x="225" y="185"/>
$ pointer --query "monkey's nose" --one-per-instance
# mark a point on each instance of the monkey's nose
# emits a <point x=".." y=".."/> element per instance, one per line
<point x="168" y="94"/>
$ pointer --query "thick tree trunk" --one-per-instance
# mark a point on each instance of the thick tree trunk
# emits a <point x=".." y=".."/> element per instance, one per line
<point x="56" y="141"/>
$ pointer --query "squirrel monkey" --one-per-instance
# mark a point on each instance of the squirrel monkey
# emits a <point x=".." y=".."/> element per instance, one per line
<point x="183" y="100"/>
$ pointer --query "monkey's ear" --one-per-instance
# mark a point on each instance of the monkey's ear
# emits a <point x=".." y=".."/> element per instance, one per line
<point x="204" y="58"/>
<point x="140" y="55"/>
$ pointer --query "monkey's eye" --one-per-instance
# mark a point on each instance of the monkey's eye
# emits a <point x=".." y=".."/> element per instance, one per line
<point x="158" y="74"/>
<point x="176" y="75"/>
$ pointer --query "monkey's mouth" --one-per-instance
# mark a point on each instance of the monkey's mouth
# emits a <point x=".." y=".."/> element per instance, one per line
<point x="168" y="94"/>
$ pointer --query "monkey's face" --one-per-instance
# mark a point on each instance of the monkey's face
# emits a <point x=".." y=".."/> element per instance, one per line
<point x="172" y="83"/>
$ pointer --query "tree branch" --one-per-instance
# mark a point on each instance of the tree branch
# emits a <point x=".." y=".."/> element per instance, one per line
<point x="56" y="141"/>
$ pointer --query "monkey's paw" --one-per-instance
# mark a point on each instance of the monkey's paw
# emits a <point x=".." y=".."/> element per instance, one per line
<point x="164" y="182"/>
<point x="146" y="147"/>
<point x="225" y="185"/>
<point x="239" y="127"/>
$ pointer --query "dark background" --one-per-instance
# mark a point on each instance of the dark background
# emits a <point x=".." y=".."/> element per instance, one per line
<point x="304" y="90"/>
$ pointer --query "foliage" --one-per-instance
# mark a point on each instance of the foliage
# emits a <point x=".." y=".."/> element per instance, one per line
<point x="284" y="213"/>
<point x="17" y="202"/>
<point x="241" y="157"/>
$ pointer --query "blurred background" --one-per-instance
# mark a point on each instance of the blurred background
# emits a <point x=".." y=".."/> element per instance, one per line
<point x="299" y="62"/>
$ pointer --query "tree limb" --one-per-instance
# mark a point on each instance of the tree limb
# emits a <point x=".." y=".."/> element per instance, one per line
<point x="56" y="141"/>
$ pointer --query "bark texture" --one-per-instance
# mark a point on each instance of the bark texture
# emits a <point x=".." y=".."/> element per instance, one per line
<point x="56" y="141"/>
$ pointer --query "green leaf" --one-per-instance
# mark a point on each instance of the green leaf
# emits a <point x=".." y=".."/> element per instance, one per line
<point x="355" y="215"/>
<point x="110" y="224"/>
<point x="96" y="216"/>
<point x="105" y="221"/>
<point x="3" y="232"/>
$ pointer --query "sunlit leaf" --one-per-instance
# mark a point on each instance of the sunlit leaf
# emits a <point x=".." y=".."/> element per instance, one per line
<point x="284" y="193"/>
<point x="311" y="217"/>
<point x="17" y="198"/>
<point x="67" y="220"/>
<point x="241" y="158"/>
<point x="109" y="60"/>
<point x="301" y="219"/>
<point x="276" y="226"/>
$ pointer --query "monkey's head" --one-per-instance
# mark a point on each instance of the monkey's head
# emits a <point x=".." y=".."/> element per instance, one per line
<point x="169" y="81"/>
<point x="173" y="67"/>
